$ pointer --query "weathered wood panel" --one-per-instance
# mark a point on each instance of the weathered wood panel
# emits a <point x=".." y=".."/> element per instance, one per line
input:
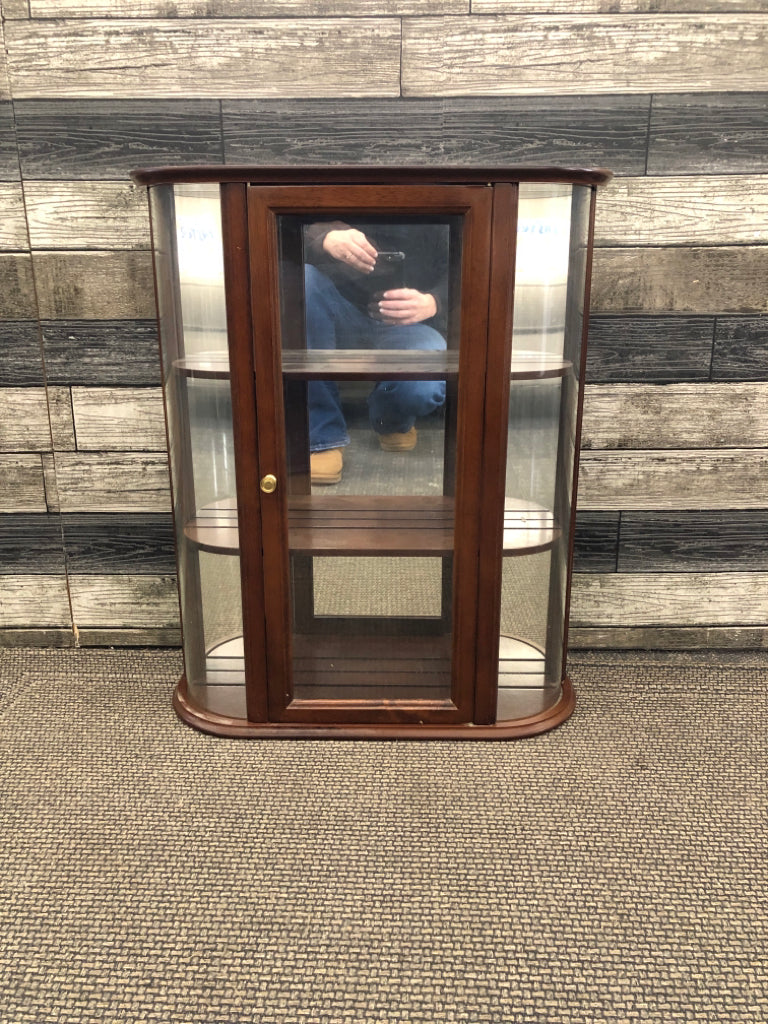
<point x="50" y="482"/>
<point x="241" y="8"/>
<point x="669" y="638"/>
<point x="596" y="541"/>
<point x="493" y="131"/>
<point x="694" y="541"/>
<point x="22" y="488"/>
<point x="675" y="416"/>
<point x="681" y="280"/>
<point x="532" y="54"/>
<point x="40" y="601"/>
<point x="5" y="92"/>
<point x="9" y="157"/>
<point x="37" y="637"/>
<point x="741" y="348"/>
<point x="205" y="58"/>
<point x="22" y="362"/>
<point x="15" y="8"/>
<point x="119" y="419"/>
<point x="708" y="134"/>
<point x="24" y="423"/>
<point x="17" y="289"/>
<point x="95" y="285"/>
<point x="13" y="228"/>
<point x="102" y="352"/>
<point x="124" y="601"/>
<point x="659" y="349"/>
<point x="692" y="210"/>
<point x="62" y="421"/>
<point x="87" y="215"/>
<point x="612" y="6"/>
<point x="31" y="544"/>
<point x="143" y="637"/>
<point x="727" y="479"/>
<point x="109" y="543"/>
<point x="112" y="482"/>
<point x="92" y="139"/>
<point x="676" y="599"/>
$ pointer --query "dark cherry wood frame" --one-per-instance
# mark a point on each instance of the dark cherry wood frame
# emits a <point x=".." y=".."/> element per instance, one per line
<point x="249" y="224"/>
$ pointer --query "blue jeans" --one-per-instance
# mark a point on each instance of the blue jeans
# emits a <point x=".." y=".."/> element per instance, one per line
<point x="334" y="323"/>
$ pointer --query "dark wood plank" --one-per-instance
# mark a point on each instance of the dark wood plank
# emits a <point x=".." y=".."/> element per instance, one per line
<point x="728" y="279"/>
<point x="93" y="139"/>
<point x="140" y="544"/>
<point x="17" y="290"/>
<point x="596" y="541"/>
<point x="652" y="349"/>
<point x="31" y="544"/>
<point x="708" y="133"/>
<point x="21" y="364"/>
<point x="724" y="541"/>
<point x="741" y="348"/>
<point x="494" y="131"/>
<point x="102" y="352"/>
<point x="9" y="159"/>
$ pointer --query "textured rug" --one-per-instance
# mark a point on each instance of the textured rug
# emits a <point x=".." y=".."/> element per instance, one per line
<point x="614" y="870"/>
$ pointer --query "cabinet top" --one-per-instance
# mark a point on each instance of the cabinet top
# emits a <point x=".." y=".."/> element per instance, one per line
<point x="368" y="175"/>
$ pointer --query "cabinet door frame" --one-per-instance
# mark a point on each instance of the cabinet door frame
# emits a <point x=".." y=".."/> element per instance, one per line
<point x="266" y="203"/>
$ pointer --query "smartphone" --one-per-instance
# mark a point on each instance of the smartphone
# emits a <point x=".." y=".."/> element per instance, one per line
<point x="388" y="272"/>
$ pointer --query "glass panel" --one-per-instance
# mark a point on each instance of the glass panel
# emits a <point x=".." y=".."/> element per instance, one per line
<point x="546" y="354"/>
<point x="370" y="364"/>
<point x="188" y="250"/>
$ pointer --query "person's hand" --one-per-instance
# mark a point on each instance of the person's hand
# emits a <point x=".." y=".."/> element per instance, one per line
<point x="406" y="306"/>
<point x="350" y="246"/>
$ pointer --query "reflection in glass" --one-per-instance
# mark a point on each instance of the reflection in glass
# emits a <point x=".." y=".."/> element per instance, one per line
<point x="370" y="338"/>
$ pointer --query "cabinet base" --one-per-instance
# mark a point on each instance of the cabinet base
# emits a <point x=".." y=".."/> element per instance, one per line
<point x="221" y="725"/>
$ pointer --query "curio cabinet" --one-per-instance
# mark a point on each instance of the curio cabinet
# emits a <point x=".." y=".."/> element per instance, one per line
<point x="372" y="384"/>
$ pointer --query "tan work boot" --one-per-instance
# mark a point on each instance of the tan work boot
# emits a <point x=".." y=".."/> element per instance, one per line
<point x="325" y="467"/>
<point x="399" y="442"/>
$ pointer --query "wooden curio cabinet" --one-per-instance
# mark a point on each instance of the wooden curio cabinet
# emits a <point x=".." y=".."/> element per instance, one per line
<point x="428" y="327"/>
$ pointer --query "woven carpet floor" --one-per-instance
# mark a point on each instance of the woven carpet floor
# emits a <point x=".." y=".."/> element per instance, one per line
<point x="614" y="870"/>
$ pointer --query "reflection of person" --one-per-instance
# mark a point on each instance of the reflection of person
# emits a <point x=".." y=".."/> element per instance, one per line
<point x="354" y="300"/>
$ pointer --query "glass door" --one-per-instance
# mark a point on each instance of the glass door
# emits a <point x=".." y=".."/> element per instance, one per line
<point x="369" y="306"/>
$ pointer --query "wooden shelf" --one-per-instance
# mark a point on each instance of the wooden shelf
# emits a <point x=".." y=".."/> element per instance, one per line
<point x="363" y="364"/>
<point x="374" y="525"/>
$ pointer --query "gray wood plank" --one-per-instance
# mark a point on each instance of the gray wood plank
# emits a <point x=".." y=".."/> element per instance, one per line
<point x="15" y="8"/>
<point x="209" y="58"/>
<point x="614" y="6"/>
<point x="39" y="601"/>
<point x="725" y="541"/>
<point x="112" y="482"/>
<point x="24" y="425"/>
<point x="22" y="362"/>
<point x="9" y="158"/>
<point x="61" y="417"/>
<point x="675" y="416"/>
<point x="492" y="131"/>
<point x="596" y="541"/>
<point x="672" y="599"/>
<point x="101" y="352"/>
<point x="658" y="349"/>
<point x="94" y="285"/>
<point x="242" y="8"/>
<point x="31" y="544"/>
<point x="119" y="419"/>
<point x="124" y="601"/>
<point x="681" y="280"/>
<point x="692" y="210"/>
<point x="741" y="348"/>
<point x="13" y="228"/>
<point x="86" y="215"/>
<point x="17" y="290"/>
<point x="50" y="482"/>
<point x="726" y="479"/>
<point x="98" y="139"/>
<point x="5" y="92"/>
<point x="669" y="638"/>
<point x="142" y="637"/>
<point x="708" y="134"/>
<point x="22" y="488"/>
<point x="37" y="637"/>
<point x="551" y="54"/>
<point x="106" y="543"/>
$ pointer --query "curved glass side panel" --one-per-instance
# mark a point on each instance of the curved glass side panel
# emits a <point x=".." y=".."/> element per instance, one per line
<point x="193" y="330"/>
<point x="553" y="224"/>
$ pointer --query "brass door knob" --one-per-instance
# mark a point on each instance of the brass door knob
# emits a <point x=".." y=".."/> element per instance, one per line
<point x="269" y="483"/>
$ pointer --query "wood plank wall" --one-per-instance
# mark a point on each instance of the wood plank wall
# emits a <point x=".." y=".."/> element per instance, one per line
<point x="672" y="539"/>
